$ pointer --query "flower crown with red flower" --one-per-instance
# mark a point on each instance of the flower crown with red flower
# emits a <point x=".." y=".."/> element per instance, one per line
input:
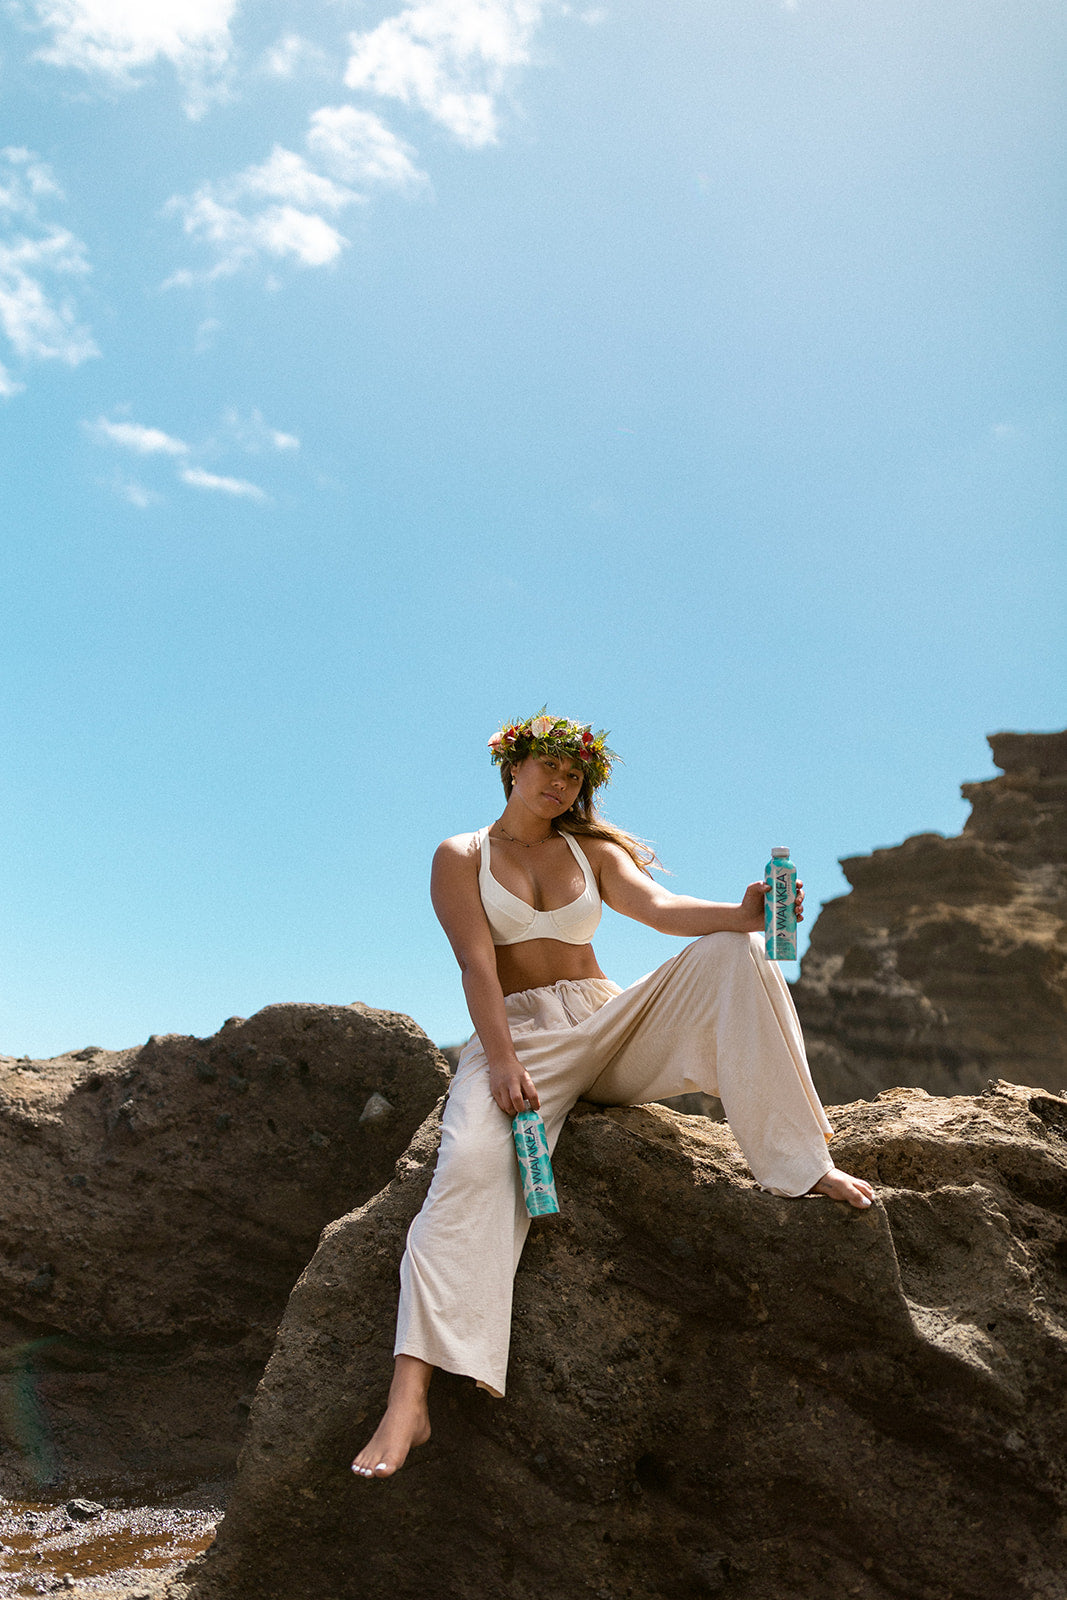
<point x="554" y="736"/>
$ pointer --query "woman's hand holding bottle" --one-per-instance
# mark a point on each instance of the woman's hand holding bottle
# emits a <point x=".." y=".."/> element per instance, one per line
<point x="751" y="909"/>
<point x="512" y="1088"/>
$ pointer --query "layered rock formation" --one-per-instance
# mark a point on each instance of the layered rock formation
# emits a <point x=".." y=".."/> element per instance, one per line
<point x="712" y="1390"/>
<point x="158" y="1204"/>
<point x="947" y="964"/>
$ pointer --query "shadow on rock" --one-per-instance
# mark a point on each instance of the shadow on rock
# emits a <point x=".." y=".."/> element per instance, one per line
<point x="158" y="1204"/>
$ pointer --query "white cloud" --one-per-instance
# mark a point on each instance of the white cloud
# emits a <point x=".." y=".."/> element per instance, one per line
<point x="252" y="434"/>
<point x="452" y="58"/>
<point x="135" y="494"/>
<point x="280" y="208"/>
<point x="116" y="38"/>
<point x="240" y="240"/>
<point x="41" y="322"/>
<point x="292" y="54"/>
<point x="9" y="386"/>
<point x="255" y="435"/>
<point x="197" y="478"/>
<point x="288" y="225"/>
<point x="40" y="326"/>
<point x="286" y="176"/>
<point x="134" y="436"/>
<point x="357" y="147"/>
<point x="24" y="182"/>
<point x="205" y="335"/>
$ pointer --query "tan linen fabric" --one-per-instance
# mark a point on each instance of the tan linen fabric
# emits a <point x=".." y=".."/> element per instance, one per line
<point x="717" y="1016"/>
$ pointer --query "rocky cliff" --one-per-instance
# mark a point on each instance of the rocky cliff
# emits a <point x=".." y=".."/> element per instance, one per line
<point x="157" y="1205"/>
<point x="947" y="964"/>
<point x="711" y="1391"/>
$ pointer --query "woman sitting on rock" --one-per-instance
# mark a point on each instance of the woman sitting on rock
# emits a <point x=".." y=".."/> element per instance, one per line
<point x="520" y="901"/>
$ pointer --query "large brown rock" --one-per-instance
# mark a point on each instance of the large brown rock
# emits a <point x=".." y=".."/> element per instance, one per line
<point x="158" y="1204"/>
<point x="947" y="963"/>
<point x="712" y="1390"/>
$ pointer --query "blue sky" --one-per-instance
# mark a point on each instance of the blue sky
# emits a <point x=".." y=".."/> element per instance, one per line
<point x="373" y="373"/>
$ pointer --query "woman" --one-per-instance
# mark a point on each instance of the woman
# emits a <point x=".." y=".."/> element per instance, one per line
<point x="520" y="901"/>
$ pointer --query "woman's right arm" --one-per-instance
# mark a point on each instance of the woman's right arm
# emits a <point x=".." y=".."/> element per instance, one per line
<point x="454" y="892"/>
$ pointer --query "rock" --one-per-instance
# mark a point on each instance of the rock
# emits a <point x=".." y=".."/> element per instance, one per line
<point x="805" y="1400"/>
<point x="83" y="1510"/>
<point x="377" y="1106"/>
<point x="947" y="964"/>
<point x="158" y="1204"/>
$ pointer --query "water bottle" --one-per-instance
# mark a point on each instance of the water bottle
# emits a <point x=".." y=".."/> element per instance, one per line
<point x="535" y="1164"/>
<point x="780" y="917"/>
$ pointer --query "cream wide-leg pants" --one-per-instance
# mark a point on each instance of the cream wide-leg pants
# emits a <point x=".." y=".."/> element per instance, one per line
<point x="718" y="1016"/>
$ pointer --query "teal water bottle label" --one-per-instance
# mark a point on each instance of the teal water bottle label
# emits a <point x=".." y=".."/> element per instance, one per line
<point x="535" y="1164"/>
<point x="779" y="911"/>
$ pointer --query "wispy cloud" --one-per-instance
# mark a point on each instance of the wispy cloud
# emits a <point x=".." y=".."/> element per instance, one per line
<point x="357" y="147"/>
<point x="239" y="240"/>
<point x="255" y="435"/>
<point x="134" y="436"/>
<point x="24" y="180"/>
<point x="286" y="177"/>
<point x="284" y="208"/>
<point x="452" y="58"/>
<point x="9" y="386"/>
<point x="274" y="209"/>
<point x="118" y="39"/>
<point x="205" y="335"/>
<point x="40" y="321"/>
<point x="292" y="54"/>
<point x="252" y="434"/>
<point x="135" y="494"/>
<point x="197" y="478"/>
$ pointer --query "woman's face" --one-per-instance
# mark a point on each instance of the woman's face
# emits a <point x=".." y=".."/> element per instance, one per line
<point x="549" y="785"/>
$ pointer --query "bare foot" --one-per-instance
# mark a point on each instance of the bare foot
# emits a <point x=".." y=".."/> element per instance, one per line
<point x="840" y="1186"/>
<point x="406" y="1422"/>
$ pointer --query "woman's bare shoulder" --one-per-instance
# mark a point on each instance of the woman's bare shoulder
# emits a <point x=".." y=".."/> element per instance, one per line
<point x="601" y="853"/>
<point x="599" y="849"/>
<point x="461" y="847"/>
<point x="612" y="863"/>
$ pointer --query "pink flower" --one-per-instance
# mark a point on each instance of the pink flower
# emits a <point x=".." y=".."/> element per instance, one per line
<point x="539" y="726"/>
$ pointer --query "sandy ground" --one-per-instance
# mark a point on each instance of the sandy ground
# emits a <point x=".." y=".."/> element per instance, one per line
<point x="112" y="1552"/>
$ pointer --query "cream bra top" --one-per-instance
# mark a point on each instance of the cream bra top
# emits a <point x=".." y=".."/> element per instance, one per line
<point x="513" y="921"/>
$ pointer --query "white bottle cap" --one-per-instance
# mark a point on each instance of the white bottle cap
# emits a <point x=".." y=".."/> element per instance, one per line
<point x="780" y="850"/>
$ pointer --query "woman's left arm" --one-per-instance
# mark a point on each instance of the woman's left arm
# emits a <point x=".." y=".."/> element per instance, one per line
<point x="626" y="888"/>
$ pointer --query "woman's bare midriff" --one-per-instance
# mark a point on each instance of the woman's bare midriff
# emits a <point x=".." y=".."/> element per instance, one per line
<point x="539" y="963"/>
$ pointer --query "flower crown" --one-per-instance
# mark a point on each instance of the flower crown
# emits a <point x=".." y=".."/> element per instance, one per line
<point x="556" y="736"/>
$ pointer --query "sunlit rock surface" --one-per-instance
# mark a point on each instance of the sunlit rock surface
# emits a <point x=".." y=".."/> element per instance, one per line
<point x="947" y="964"/>
<point x="712" y="1390"/>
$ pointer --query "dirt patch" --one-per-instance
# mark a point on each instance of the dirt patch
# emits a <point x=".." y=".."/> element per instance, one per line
<point x="104" y="1551"/>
